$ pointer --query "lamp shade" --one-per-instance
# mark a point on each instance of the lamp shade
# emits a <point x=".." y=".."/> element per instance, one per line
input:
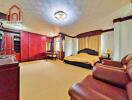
<point x="108" y="51"/>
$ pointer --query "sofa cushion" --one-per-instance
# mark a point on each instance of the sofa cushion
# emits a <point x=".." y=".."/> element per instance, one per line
<point x="129" y="70"/>
<point x="129" y="90"/>
<point x="104" y="88"/>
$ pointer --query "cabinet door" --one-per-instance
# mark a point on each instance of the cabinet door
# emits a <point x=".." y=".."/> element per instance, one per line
<point x="39" y="47"/>
<point x="43" y="47"/>
<point x="32" y="46"/>
<point x="43" y="44"/>
<point x="24" y="46"/>
<point x="8" y="44"/>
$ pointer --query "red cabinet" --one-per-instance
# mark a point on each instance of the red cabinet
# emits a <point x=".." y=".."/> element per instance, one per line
<point x="34" y="47"/>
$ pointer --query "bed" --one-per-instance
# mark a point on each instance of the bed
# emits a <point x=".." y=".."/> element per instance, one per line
<point x="85" y="58"/>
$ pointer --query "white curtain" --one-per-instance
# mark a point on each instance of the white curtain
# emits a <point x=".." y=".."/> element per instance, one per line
<point x="75" y="46"/>
<point x="107" y="42"/>
<point x="126" y="38"/>
<point x="123" y="35"/>
<point x="70" y="46"/>
<point x="57" y="44"/>
<point x="117" y="43"/>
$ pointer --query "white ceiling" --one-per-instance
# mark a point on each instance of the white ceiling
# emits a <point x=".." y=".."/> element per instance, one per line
<point x="83" y="15"/>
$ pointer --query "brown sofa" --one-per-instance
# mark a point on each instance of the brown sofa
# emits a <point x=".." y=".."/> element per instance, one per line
<point x="105" y="84"/>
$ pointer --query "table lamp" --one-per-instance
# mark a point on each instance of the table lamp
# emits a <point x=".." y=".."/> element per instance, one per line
<point x="108" y="52"/>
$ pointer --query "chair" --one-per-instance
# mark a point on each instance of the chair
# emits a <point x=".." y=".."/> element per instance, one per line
<point x="105" y="84"/>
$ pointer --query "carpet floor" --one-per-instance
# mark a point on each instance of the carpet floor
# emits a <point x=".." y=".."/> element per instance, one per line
<point x="48" y="80"/>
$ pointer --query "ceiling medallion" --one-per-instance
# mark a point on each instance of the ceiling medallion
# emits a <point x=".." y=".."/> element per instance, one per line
<point x="60" y="15"/>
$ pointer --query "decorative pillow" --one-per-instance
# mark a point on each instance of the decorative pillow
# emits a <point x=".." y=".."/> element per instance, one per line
<point x="129" y="70"/>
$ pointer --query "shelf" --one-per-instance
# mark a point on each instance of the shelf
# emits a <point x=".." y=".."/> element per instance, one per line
<point x="16" y="43"/>
<point x="16" y="40"/>
<point x="16" y="36"/>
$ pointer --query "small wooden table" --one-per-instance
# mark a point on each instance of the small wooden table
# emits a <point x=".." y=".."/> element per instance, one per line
<point x="51" y="55"/>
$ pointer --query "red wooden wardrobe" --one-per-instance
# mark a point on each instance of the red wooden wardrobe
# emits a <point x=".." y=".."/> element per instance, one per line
<point x="33" y="46"/>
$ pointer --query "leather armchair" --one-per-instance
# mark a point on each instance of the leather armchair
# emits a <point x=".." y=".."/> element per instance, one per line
<point x="125" y="60"/>
<point x="110" y="75"/>
<point x="94" y="88"/>
<point x="118" y="64"/>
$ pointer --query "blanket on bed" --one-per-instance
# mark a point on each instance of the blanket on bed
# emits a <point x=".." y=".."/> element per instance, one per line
<point x="84" y="58"/>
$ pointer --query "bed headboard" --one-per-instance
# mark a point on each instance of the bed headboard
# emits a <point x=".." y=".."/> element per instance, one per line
<point x="88" y="51"/>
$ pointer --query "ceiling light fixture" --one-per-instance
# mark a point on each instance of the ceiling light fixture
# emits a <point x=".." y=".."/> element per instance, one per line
<point x="60" y="15"/>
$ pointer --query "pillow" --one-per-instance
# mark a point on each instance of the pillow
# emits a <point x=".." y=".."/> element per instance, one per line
<point x="129" y="70"/>
<point x="88" y="51"/>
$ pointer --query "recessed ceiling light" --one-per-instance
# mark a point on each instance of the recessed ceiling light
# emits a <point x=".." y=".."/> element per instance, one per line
<point x="60" y="15"/>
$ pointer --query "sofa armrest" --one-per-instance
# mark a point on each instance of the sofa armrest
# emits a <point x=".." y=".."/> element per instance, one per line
<point x="112" y="63"/>
<point x="119" y="68"/>
<point x="110" y="75"/>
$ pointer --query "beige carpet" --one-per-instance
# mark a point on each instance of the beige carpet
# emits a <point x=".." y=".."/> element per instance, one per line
<point x="48" y="80"/>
